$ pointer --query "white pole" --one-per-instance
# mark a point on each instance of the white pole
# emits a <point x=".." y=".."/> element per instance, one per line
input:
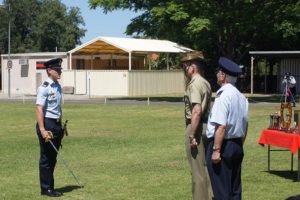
<point x="252" y="68"/>
<point x="9" y="68"/>
<point x="89" y="79"/>
<point x="129" y="61"/>
<point x="148" y="57"/>
<point x="70" y="61"/>
<point x="168" y="67"/>
<point x="266" y="71"/>
<point x="75" y="82"/>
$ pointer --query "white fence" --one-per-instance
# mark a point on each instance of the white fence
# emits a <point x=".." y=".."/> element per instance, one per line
<point x="124" y="82"/>
<point x="155" y="82"/>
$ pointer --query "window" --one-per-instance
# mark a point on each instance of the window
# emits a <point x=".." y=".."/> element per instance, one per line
<point x="24" y="71"/>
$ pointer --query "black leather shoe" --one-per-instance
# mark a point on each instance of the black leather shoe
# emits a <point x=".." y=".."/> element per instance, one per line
<point x="51" y="193"/>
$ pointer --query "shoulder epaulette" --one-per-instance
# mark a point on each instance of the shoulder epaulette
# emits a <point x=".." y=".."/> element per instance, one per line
<point x="45" y="84"/>
<point x="219" y="93"/>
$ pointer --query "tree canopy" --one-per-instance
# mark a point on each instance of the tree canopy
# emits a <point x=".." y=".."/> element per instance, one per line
<point x="220" y="28"/>
<point x="39" y="25"/>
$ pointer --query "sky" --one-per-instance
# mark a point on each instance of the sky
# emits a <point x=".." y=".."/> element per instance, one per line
<point x="99" y="24"/>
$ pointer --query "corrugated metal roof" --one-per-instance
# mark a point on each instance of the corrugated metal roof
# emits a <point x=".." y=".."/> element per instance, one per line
<point x="129" y="45"/>
<point x="274" y="52"/>
<point x="36" y="54"/>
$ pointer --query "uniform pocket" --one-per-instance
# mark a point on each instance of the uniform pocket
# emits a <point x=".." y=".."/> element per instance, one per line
<point x="52" y="100"/>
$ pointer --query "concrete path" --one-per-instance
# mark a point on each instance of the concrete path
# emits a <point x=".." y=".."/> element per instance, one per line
<point x="85" y="99"/>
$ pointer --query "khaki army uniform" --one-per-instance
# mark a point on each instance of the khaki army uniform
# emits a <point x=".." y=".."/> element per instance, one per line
<point x="198" y="91"/>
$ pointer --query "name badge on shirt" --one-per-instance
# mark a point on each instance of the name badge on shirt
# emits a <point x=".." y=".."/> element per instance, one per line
<point x="52" y="94"/>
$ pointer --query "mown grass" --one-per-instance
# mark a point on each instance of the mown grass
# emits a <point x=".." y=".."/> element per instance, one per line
<point x="127" y="152"/>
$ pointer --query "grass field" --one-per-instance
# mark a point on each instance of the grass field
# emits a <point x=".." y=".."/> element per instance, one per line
<point x="127" y="152"/>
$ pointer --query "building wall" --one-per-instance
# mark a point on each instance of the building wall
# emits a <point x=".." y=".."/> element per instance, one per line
<point x="97" y="82"/>
<point x="292" y="66"/>
<point x="24" y="77"/>
<point x="155" y="82"/>
<point x="124" y="82"/>
<point x="77" y="79"/>
<point x="108" y="83"/>
<point x="18" y="80"/>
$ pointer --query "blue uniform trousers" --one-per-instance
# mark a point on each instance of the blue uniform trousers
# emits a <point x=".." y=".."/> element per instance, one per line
<point x="47" y="153"/>
<point x="226" y="175"/>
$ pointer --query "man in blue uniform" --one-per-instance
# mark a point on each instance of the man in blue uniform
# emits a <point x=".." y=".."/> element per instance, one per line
<point x="48" y="127"/>
<point x="226" y="131"/>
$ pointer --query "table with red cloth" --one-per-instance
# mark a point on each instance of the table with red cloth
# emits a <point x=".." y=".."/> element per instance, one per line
<point x="281" y="139"/>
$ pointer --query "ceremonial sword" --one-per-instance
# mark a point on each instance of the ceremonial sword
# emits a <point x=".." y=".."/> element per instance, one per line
<point x="66" y="164"/>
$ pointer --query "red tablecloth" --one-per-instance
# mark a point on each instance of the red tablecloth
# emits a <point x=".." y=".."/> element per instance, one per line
<point x="280" y="139"/>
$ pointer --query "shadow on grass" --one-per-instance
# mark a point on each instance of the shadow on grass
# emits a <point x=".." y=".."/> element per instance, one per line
<point x="297" y="197"/>
<point x="293" y="175"/>
<point x="275" y="98"/>
<point x="269" y="99"/>
<point x="256" y="98"/>
<point x="153" y="99"/>
<point x="68" y="188"/>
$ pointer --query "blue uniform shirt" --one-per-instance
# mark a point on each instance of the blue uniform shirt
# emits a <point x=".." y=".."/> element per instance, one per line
<point x="231" y="110"/>
<point x="49" y="96"/>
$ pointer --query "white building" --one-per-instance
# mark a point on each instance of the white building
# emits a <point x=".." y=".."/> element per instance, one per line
<point x="104" y="66"/>
<point x="287" y="62"/>
<point x="26" y="75"/>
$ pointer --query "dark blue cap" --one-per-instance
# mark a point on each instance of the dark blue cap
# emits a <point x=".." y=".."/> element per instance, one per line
<point x="54" y="64"/>
<point x="229" y="67"/>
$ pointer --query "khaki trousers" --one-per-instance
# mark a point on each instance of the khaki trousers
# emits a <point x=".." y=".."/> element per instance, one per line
<point x="201" y="186"/>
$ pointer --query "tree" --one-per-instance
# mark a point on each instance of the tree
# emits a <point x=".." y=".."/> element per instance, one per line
<point x="220" y="28"/>
<point x="39" y="25"/>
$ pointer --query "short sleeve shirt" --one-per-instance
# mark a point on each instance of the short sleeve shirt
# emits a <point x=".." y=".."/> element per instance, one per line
<point x="198" y="91"/>
<point x="49" y="96"/>
<point x="231" y="110"/>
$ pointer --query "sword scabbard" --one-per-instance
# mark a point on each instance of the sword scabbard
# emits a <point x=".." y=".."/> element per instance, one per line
<point x="65" y="128"/>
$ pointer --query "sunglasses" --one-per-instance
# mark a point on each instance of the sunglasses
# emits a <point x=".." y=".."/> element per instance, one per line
<point x="57" y="70"/>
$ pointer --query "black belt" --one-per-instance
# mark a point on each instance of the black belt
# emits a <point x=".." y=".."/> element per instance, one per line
<point x="187" y="121"/>
<point x="229" y="139"/>
<point x="58" y="120"/>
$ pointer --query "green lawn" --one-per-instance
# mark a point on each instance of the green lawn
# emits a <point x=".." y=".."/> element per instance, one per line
<point x="127" y="152"/>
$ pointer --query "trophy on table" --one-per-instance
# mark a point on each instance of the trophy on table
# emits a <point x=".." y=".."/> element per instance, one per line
<point x="282" y="121"/>
<point x="275" y="121"/>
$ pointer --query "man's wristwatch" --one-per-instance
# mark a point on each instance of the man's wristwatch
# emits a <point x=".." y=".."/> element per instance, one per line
<point x="216" y="149"/>
<point x="191" y="137"/>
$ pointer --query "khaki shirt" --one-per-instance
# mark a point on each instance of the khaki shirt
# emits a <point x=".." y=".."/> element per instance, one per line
<point x="198" y="91"/>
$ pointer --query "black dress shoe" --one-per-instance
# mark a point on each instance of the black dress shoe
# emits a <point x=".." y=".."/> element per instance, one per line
<point x="51" y="193"/>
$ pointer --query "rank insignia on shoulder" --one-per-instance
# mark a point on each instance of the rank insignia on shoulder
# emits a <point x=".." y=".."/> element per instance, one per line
<point x="45" y="84"/>
<point x="219" y="93"/>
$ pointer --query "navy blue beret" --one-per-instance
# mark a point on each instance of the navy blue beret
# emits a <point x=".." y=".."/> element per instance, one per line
<point x="53" y="63"/>
<point x="229" y="67"/>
